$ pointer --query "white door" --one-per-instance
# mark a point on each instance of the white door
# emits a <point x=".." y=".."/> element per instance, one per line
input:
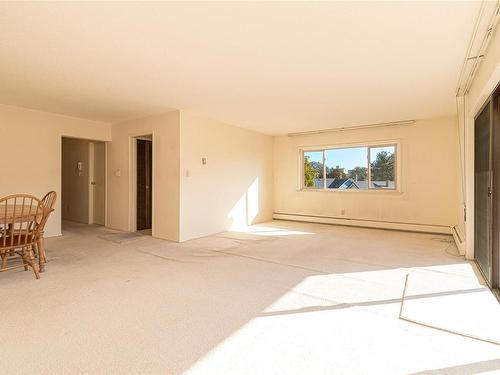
<point x="97" y="182"/>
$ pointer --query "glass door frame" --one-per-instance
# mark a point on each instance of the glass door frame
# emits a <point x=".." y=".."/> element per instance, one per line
<point x="495" y="181"/>
<point x="487" y="273"/>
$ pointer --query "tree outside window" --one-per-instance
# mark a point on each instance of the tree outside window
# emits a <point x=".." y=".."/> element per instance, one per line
<point x="360" y="168"/>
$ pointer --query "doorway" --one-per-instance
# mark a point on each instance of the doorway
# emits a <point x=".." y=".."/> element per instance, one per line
<point x="487" y="189"/>
<point x="144" y="184"/>
<point x="83" y="181"/>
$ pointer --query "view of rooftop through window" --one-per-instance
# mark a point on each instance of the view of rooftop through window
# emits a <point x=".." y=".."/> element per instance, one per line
<point x="367" y="167"/>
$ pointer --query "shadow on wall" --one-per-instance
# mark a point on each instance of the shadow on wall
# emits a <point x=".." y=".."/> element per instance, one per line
<point x="246" y="209"/>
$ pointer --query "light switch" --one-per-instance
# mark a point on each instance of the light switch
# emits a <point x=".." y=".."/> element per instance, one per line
<point x="118" y="173"/>
<point x="204" y="161"/>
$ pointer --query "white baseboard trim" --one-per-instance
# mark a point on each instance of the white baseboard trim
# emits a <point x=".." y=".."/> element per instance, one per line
<point x="409" y="227"/>
<point x="459" y="239"/>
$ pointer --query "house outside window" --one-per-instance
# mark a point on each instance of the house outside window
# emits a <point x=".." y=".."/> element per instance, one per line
<point x="370" y="167"/>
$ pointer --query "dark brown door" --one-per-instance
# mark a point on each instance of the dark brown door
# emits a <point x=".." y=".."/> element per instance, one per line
<point x="144" y="183"/>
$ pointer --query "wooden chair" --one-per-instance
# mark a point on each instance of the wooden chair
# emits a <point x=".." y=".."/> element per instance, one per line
<point x="48" y="202"/>
<point x="20" y="219"/>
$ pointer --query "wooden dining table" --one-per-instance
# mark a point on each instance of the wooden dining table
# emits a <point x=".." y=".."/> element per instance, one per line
<point x="19" y="214"/>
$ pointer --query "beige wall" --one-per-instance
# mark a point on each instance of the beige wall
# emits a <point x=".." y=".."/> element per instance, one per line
<point x="234" y="188"/>
<point x="30" y="156"/>
<point x="165" y="131"/>
<point x="428" y="157"/>
<point x="75" y="184"/>
<point x="247" y="174"/>
<point x="242" y="158"/>
<point x="485" y="81"/>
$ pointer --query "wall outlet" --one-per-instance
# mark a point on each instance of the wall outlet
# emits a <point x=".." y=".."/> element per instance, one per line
<point x="342" y="212"/>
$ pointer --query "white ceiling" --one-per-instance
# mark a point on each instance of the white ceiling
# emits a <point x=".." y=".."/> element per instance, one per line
<point x="273" y="67"/>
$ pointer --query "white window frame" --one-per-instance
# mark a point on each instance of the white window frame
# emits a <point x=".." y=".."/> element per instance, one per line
<point x="368" y="145"/>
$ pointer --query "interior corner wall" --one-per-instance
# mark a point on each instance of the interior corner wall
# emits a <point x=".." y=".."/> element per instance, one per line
<point x="461" y="171"/>
<point x="75" y="184"/>
<point x="429" y="172"/>
<point x="234" y="188"/>
<point x="486" y="79"/>
<point x="30" y="159"/>
<point x="165" y="131"/>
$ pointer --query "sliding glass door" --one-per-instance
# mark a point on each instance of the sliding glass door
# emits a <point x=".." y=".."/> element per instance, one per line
<point x="495" y="167"/>
<point x="483" y="191"/>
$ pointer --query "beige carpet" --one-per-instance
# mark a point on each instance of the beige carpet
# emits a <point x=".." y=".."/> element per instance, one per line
<point x="280" y="298"/>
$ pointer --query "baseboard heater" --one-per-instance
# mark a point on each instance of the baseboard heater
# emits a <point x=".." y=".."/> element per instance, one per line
<point x="410" y="227"/>
<point x="458" y="237"/>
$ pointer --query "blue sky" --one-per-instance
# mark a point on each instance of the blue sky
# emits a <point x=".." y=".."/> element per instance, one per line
<point x="346" y="157"/>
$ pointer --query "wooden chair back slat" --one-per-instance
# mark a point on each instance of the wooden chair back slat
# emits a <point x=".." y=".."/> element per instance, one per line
<point x="4" y="229"/>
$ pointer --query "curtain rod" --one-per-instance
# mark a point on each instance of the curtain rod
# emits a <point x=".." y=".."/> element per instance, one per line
<point x="344" y="128"/>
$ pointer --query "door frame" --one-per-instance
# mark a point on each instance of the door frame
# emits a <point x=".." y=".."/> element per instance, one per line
<point x="148" y="136"/>
<point x="495" y="178"/>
